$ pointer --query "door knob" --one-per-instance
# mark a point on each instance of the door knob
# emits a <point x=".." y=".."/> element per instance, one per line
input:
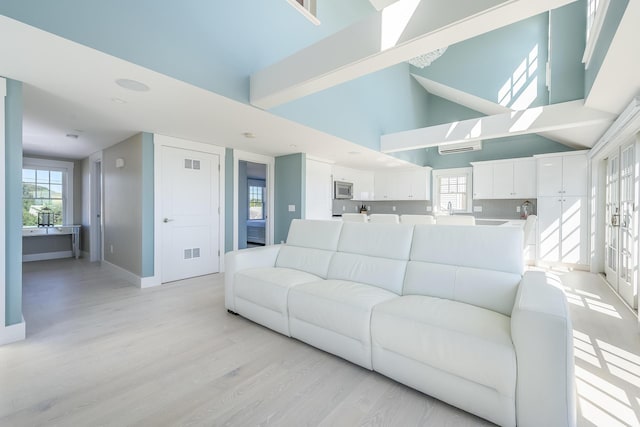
<point x="167" y="220"/>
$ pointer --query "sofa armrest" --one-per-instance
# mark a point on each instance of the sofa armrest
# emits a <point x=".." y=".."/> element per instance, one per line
<point x="234" y="261"/>
<point x="543" y="339"/>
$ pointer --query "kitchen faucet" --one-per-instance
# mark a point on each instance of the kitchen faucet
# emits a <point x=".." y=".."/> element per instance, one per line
<point x="450" y="208"/>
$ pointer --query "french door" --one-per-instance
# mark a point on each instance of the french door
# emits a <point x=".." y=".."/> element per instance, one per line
<point x="620" y="254"/>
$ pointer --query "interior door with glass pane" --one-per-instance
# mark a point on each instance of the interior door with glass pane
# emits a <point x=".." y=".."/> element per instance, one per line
<point x="612" y="220"/>
<point x="627" y="264"/>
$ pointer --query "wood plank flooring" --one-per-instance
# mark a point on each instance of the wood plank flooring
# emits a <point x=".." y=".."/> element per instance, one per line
<point x="100" y="352"/>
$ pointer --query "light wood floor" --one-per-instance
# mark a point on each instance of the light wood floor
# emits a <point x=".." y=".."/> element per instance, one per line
<point x="101" y="352"/>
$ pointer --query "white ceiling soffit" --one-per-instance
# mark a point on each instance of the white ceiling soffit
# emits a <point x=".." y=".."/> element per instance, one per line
<point x="533" y="120"/>
<point x="381" y="4"/>
<point x="618" y="80"/>
<point x="576" y="137"/>
<point x="404" y="30"/>
<point x="70" y="88"/>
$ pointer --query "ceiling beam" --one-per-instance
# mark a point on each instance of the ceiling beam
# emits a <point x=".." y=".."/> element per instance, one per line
<point x="554" y="117"/>
<point x="398" y="33"/>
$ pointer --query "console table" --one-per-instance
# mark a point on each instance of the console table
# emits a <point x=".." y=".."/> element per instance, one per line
<point x="73" y="230"/>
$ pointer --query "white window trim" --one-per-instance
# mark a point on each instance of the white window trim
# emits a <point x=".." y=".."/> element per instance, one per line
<point x="67" y="181"/>
<point x="594" y="32"/>
<point x="438" y="173"/>
<point x="308" y="9"/>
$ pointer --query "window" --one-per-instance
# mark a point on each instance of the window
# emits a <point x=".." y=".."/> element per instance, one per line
<point x="308" y="8"/>
<point x="596" y="12"/>
<point x="256" y="200"/>
<point x="452" y="188"/>
<point x="45" y="187"/>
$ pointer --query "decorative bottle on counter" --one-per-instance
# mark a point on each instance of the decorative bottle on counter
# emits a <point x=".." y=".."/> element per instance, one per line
<point x="363" y="209"/>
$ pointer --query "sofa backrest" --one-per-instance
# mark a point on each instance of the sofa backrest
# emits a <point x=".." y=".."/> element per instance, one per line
<point x="375" y="254"/>
<point x="310" y="246"/>
<point x="478" y="265"/>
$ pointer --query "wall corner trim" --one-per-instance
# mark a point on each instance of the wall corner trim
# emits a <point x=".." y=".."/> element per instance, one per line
<point x="13" y="333"/>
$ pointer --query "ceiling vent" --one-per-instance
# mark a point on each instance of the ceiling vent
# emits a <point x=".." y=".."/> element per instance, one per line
<point x="460" y="147"/>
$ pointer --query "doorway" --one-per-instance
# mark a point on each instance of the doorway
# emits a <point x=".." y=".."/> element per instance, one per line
<point x="252" y="204"/>
<point x="621" y="223"/>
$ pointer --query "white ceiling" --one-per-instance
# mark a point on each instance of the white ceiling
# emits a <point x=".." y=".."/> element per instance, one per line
<point x="70" y="88"/>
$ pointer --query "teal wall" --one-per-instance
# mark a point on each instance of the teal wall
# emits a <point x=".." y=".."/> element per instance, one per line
<point x="568" y="28"/>
<point x="361" y="110"/>
<point x="13" y="202"/>
<point x="482" y="66"/>
<point x="612" y="20"/>
<point x="228" y="200"/>
<point x="148" y="219"/>
<point x="290" y="179"/>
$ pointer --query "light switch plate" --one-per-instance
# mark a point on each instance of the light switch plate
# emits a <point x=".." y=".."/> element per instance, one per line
<point x="477" y="208"/>
<point x="429" y="209"/>
<point x="292" y="208"/>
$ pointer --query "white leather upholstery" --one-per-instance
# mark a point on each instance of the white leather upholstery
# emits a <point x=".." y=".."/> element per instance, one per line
<point x="314" y="261"/>
<point x="384" y="218"/>
<point x="241" y="260"/>
<point x="315" y="234"/>
<point x="391" y="241"/>
<point x="417" y="219"/>
<point x="354" y="217"/>
<point x="467" y="342"/>
<point x="384" y="273"/>
<point x="493" y="290"/>
<point x="261" y="294"/>
<point x="543" y="338"/>
<point x="455" y="220"/>
<point x="484" y="246"/>
<point x="342" y="307"/>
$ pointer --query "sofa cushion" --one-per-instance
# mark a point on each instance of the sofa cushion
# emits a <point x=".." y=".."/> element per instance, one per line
<point x="269" y="287"/>
<point x="485" y="247"/>
<point x="337" y="305"/>
<point x="314" y="234"/>
<point x="314" y="261"/>
<point x="392" y="241"/>
<point x="494" y="290"/>
<point x="384" y="273"/>
<point x="463" y="340"/>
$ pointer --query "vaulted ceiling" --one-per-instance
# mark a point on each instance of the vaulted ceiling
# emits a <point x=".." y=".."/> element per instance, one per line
<point x="217" y="70"/>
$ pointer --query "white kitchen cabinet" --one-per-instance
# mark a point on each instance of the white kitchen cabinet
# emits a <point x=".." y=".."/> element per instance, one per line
<point x="363" y="186"/>
<point x="318" y="190"/>
<point x="405" y="184"/>
<point x="482" y="181"/>
<point x="562" y="230"/>
<point x="562" y="174"/>
<point x="505" y="179"/>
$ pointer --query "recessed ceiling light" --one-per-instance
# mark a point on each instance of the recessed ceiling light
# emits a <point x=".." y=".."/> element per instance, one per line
<point x="118" y="101"/>
<point x="249" y="135"/>
<point x="72" y="136"/>
<point x="354" y="152"/>
<point x="132" y="85"/>
<point x="293" y="146"/>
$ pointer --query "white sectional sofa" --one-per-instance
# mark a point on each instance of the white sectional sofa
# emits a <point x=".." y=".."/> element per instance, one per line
<point x="443" y="309"/>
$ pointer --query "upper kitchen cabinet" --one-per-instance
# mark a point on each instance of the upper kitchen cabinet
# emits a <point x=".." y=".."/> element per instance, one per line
<point x="362" y="181"/>
<point x="504" y="179"/>
<point x="404" y="184"/>
<point x="562" y="174"/>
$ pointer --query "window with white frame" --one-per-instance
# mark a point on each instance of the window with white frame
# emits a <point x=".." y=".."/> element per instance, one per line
<point x="46" y="188"/>
<point x="452" y="189"/>
<point x="596" y="12"/>
<point x="256" y="199"/>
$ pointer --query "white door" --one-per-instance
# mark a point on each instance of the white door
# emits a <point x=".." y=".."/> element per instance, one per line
<point x="627" y="265"/>
<point x="190" y="213"/>
<point x="612" y="217"/>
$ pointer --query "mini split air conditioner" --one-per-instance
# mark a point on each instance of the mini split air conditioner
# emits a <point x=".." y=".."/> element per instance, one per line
<point x="460" y="147"/>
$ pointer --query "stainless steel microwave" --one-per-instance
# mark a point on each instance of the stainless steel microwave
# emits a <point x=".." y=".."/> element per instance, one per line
<point x="342" y="190"/>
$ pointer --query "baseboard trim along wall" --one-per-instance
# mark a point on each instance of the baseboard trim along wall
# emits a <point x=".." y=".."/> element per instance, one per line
<point x="13" y="333"/>
<point x="134" y="279"/>
<point x="46" y="255"/>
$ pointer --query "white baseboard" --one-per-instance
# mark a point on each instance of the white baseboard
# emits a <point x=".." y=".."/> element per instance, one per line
<point x="13" y="333"/>
<point x="134" y="279"/>
<point x="46" y="255"/>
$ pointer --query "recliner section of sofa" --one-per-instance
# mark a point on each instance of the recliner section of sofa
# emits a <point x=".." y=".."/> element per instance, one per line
<point x="443" y="309"/>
